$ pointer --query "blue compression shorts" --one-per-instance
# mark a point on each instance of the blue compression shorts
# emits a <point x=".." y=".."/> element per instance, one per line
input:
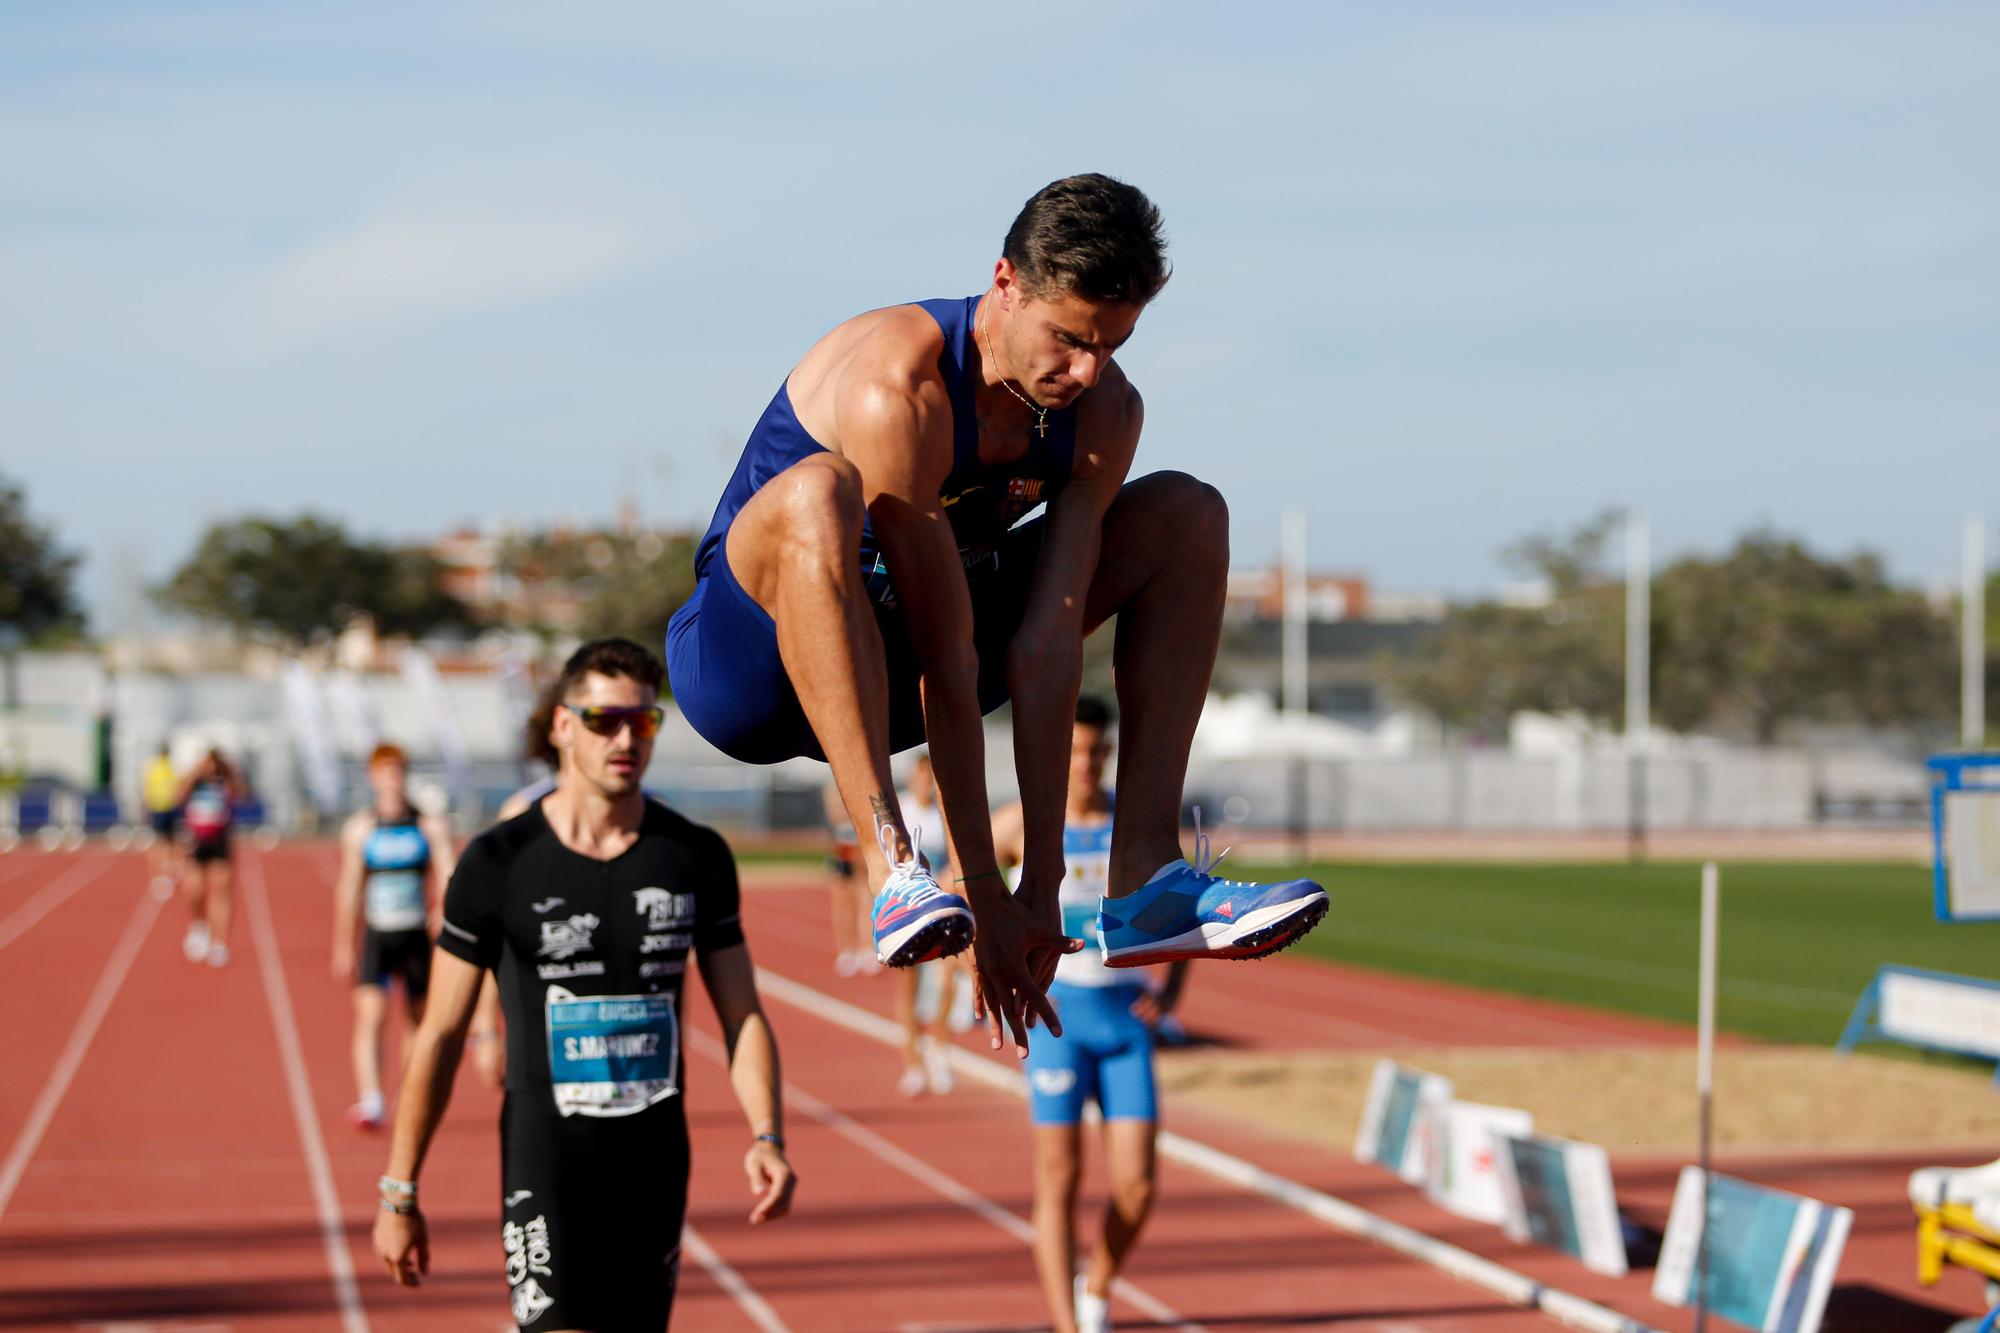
<point x="1105" y="1054"/>
<point x="731" y="685"/>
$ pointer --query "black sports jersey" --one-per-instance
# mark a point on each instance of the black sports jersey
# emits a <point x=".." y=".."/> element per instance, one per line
<point x="590" y="954"/>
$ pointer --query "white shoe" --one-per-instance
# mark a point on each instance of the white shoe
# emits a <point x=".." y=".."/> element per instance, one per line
<point x="1093" y="1313"/>
<point x="846" y="965"/>
<point x="914" y="1082"/>
<point x="937" y="1068"/>
<point x="1936" y="1186"/>
<point x="218" y="954"/>
<point x="194" y="944"/>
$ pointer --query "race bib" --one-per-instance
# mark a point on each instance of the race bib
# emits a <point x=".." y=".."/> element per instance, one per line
<point x="1080" y="921"/>
<point x="611" y="1055"/>
<point x="395" y="900"/>
<point x="207" y="812"/>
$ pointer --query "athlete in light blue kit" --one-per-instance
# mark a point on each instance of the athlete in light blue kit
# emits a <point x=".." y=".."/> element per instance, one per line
<point x="875" y="575"/>
<point x="1105" y="1052"/>
<point x="394" y="864"/>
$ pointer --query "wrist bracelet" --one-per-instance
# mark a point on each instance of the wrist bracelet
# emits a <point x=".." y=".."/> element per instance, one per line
<point x="389" y="1185"/>
<point x="775" y="1140"/>
<point x="984" y="874"/>
<point x="403" y="1209"/>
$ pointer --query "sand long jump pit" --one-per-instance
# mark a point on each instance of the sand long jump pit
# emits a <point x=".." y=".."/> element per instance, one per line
<point x="1631" y="1100"/>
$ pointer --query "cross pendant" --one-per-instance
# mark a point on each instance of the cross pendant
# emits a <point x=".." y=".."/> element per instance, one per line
<point x="1042" y="423"/>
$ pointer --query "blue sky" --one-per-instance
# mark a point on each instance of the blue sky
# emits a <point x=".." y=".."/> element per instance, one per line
<point x="1444" y="274"/>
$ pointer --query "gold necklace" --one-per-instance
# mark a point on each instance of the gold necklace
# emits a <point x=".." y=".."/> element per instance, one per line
<point x="1041" y="413"/>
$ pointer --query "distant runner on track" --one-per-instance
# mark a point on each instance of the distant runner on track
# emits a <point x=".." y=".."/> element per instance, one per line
<point x="163" y="815"/>
<point x="394" y="864"/>
<point x="1105" y="1054"/>
<point x="209" y="795"/>
<point x="587" y="907"/>
<point x="872" y="578"/>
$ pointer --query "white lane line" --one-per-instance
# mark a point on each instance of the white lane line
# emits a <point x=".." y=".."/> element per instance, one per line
<point x="926" y="1174"/>
<point x="731" y="1281"/>
<point x="291" y="1053"/>
<point x="50" y="898"/>
<point x="78" y="1046"/>
<point x="1337" y="1213"/>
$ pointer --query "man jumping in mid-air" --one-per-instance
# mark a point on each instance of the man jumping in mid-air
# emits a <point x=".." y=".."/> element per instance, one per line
<point x="867" y="583"/>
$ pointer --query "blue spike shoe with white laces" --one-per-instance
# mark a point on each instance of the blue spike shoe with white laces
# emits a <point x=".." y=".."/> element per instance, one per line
<point x="1187" y="912"/>
<point x="915" y="920"/>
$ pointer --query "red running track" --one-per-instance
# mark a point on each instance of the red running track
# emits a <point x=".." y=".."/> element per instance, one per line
<point x="177" y="1157"/>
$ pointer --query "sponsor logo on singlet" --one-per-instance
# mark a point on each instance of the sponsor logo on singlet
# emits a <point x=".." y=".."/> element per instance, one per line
<point x="589" y="967"/>
<point x="663" y="908"/>
<point x="560" y="939"/>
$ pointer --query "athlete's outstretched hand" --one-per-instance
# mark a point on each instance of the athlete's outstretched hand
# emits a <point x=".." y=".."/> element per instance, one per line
<point x="772" y="1181"/>
<point x="403" y="1243"/>
<point x="1015" y="949"/>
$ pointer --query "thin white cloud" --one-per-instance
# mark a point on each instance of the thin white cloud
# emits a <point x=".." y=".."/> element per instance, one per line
<point x="422" y="265"/>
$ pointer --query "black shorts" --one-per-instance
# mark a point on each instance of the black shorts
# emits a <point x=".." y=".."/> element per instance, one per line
<point x="214" y="848"/>
<point x="591" y="1211"/>
<point x="731" y="685"/>
<point x="163" y="821"/>
<point x="396" y="953"/>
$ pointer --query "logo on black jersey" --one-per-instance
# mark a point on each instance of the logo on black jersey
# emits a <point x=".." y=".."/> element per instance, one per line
<point x="663" y="908"/>
<point x="547" y="905"/>
<point x="560" y="939"/>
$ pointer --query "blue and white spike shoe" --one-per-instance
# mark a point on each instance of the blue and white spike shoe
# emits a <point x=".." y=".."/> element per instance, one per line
<point x="915" y="920"/>
<point x="1187" y="912"/>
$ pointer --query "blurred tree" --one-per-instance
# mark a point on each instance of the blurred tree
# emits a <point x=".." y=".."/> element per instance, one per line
<point x="410" y="596"/>
<point x="635" y="583"/>
<point x="1561" y="652"/>
<point x="1771" y="633"/>
<point x="37" y="592"/>
<point x="1766" y="635"/>
<point x="302" y="579"/>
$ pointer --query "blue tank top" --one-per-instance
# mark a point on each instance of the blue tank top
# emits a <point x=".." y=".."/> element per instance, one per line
<point x="981" y="500"/>
<point x="396" y="858"/>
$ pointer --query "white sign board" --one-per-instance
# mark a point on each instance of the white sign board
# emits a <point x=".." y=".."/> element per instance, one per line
<point x="1769" y="1256"/>
<point x="1399" y="1122"/>
<point x="1465" y="1169"/>
<point x="1558" y="1193"/>
<point x="1972" y="851"/>
<point x="1933" y="1009"/>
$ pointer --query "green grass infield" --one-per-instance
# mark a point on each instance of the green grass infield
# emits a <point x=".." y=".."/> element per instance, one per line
<point x="1799" y="942"/>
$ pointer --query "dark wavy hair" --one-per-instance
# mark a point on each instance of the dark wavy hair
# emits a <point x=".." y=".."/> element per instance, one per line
<point x="1090" y="236"/>
<point x="608" y="657"/>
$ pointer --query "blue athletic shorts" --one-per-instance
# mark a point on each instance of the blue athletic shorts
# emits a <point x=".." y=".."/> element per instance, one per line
<point x="722" y="657"/>
<point x="1105" y="1054"/>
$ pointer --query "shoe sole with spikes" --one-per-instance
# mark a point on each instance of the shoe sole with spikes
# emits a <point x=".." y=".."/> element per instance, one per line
<point x="946" y="932"/>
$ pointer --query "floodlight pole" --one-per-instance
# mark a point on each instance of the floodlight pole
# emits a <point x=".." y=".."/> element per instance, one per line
<point x="1704" y="1079"/>
<point x="1293" y="652"/>
<point x="1972" y="635"/>
<point x="1638" y="672"/>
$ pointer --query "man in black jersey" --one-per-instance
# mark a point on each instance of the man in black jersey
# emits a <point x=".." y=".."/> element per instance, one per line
<point x="586" y="907"/>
